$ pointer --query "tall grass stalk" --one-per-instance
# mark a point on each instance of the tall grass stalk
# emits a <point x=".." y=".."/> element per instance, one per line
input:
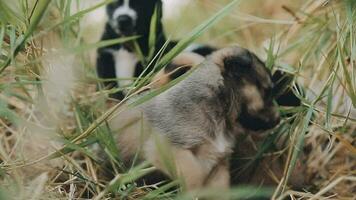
<point x="46" y="149"/>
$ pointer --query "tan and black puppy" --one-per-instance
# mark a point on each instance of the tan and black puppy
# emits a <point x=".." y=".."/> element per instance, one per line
<point x="189" y="130"/>
<point x="268" y="170"/>
<point x="244" y="150"/>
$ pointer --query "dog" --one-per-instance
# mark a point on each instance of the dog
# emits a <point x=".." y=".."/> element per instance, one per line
<point x="127" y="18"/>
<point x="195" y="54"/>
<point x="195" y="123"/>
<point x="243" y="149"/>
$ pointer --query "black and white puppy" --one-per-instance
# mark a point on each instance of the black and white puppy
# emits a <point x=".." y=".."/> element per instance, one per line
<point x="127" y="18"/>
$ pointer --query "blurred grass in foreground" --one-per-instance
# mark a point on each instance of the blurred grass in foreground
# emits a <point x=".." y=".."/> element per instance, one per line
<point x="49" y="100"/>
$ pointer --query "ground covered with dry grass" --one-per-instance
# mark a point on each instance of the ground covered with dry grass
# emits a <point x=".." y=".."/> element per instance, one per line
<point x="51" y="113"/>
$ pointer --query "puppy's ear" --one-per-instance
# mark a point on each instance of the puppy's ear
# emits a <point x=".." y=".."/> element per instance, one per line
<point x="282" y="91"/>
<point x="239" y="63"/>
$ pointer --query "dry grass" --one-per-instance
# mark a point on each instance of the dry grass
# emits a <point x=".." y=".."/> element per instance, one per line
<point x="48" y="97"/>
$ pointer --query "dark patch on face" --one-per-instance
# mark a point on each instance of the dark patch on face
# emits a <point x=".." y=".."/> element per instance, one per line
<point x="246" y="69"/>
<point x="263" y="121"/>
<point x="126" y="24"/>
<point x="238" y="65"/>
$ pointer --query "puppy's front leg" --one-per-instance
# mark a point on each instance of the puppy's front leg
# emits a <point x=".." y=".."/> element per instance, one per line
<point x="219" y="181"/>
<point x="220" y="177"/>
<point x="187" y="166"/>
<point x="105" y="68"/>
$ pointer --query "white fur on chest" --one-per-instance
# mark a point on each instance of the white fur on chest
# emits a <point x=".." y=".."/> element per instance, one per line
<point x="221" y="148"/>
<point x="222" y="144"/>
<point x="218" y="149"/>
<point x="125" y="65"/>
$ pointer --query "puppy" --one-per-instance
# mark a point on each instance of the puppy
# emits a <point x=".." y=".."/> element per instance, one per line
<point x="191" y="127"/>
<point x="127" y="18"/>
<point x="195" y="54"/>
<point x="244" y="149"/>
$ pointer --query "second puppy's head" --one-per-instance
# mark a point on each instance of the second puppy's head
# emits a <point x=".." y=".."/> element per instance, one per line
<point x="250" y="86"/>
<point x="129" y="17"/>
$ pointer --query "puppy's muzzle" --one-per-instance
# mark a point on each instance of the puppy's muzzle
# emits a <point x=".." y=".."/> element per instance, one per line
<point x="265" y="120"/>
<point x="125" y="24"/>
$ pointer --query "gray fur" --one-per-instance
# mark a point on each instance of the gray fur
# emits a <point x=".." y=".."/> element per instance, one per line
<point x="199" y="117"/>
<point x="189" y="112"/>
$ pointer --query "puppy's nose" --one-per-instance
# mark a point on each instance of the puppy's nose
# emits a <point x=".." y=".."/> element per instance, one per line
<point x="124" y="21"/>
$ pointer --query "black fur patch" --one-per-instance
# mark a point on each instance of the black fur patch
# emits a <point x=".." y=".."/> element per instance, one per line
<point x="245" y="69"/>
<point x="256" y="123"/>
<point x="106" y="70"/>
<point x="205" y="50"/>
<point x="178" y="70"/>
<point x="285" y="96"/>
<point x="239" y="65"/>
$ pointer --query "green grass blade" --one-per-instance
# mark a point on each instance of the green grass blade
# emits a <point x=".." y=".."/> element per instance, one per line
<point x="271" y="58"/>
<point x="241" y="192"/>
<point x="9" y="16"/>
<point x="161" y="192"/>
<point x="299" y="143"/>
<point x="152" y="37"/>
<point x="36" y="18"/>
<point x="350" y="88"/>
<point x="3" y="193"/>
<point x="71" y="147"/>
<point x="156" y="92"/>
<point x="139" y="53"/>
<point x="120" y="181"/>
<point x="8" y="114"/>
<point x="2" y="35"/>
<point x="182" y="44"/>
<point x="74" y="17"/>
<point x="104" y="43"/>
<point x="329" y="103"/>
<point x="106" y="138"/>
<point x="265" y="147"/>
<point x="197" y="32"/>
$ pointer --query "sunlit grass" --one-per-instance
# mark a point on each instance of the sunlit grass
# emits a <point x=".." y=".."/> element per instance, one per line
<point x="46" y="140"/>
